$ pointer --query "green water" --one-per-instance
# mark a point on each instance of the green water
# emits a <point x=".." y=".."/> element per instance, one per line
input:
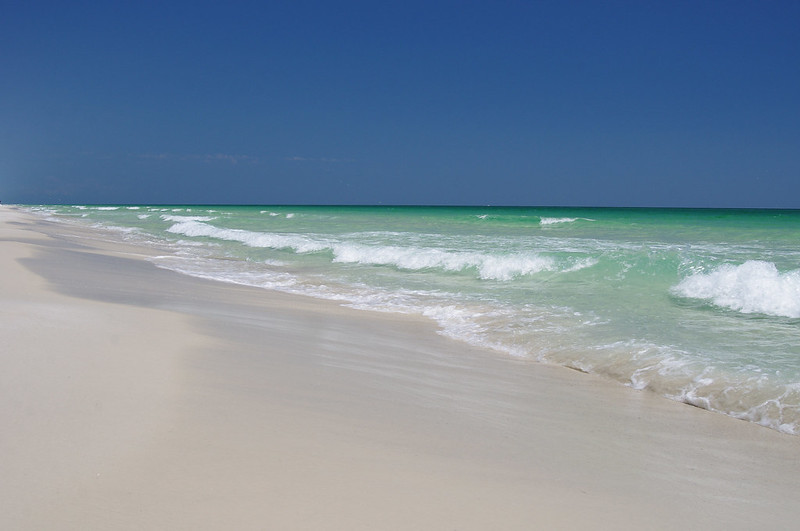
<point x="702" y="306"/>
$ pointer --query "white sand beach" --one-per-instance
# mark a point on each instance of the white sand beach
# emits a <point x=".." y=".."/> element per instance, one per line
<point x="133" y="397"/>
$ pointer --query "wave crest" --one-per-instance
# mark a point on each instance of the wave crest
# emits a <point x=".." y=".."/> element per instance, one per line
<point x="753" y="287"/>
<point x="554" y="221"/>
<point x="299" y="244"/>
<point x="167" y="217"/>
<point x="489" y="266"/>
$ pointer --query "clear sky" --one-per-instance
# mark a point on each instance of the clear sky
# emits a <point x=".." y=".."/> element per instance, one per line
<point x="604" y="103"/>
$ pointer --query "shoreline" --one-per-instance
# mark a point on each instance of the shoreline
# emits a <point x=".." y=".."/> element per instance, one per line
<point x="229" y="406"/>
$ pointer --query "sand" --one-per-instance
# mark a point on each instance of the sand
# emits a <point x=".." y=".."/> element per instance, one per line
<point x="138" y="398"/>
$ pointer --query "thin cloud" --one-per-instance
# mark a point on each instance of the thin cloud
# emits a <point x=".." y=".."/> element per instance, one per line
<point x="206" y="158"/>
<point x="317" y="159"/>
<point x="233" y="159"/>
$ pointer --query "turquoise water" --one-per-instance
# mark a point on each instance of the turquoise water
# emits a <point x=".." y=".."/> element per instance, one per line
<point x="701" y="306"/>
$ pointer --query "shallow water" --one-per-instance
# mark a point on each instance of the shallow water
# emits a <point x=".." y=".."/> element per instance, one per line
<point x="702" y="306"/>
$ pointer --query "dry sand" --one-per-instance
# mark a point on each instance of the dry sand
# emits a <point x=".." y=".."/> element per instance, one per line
<point x="138" y="398"/>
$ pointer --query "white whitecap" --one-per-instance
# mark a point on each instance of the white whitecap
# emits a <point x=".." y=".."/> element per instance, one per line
<point x="555" y="221"/>
<point x="490" y="267"/>
<point x="300" y="244"/>
<point x="752" y="287"/>
<point x="167" y="217"/>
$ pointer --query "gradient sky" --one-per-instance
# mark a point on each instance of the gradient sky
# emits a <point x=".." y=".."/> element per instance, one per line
<point x="638" y="103"/>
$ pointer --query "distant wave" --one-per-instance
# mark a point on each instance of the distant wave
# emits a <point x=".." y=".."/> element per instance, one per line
<point x="752" y="287"/>
<point x="489" y="266"/>
<point x="554" y="221"/>
<point x="290" y="215"/>
<point x="300" y="244"/>
<point x="542" y="220"/>
<point x="167" y="217"/>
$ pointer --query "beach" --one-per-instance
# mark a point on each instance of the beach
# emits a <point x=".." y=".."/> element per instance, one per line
<point x="135" y="397"/>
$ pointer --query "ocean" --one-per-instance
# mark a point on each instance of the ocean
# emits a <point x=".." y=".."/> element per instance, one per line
<point x="699" y="306"/>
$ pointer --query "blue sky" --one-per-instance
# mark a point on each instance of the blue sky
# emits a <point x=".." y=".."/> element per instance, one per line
<point x="692" y="104"/>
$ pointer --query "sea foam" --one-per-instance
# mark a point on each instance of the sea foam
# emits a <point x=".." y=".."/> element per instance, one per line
<point x="501" y="267"/>
<point x="553" y="221"/>
<point x="752" y="287"/>
<point x="167" y="217"/>
<point x="489" y="267"/>
<point x="300" y="244"/>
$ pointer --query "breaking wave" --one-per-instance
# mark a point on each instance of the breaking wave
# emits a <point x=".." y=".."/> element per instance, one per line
<point x="752" y="287"/>
<point x="555" y="221"/>
<point x="501" y="267"/>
